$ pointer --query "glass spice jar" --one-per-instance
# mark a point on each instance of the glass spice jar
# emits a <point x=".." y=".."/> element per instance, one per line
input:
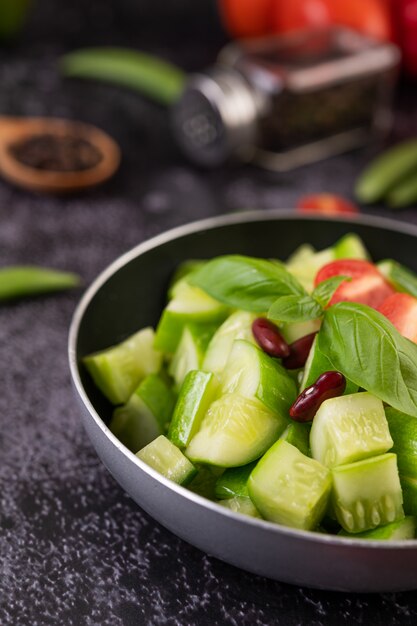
<point x="286" y="101"/>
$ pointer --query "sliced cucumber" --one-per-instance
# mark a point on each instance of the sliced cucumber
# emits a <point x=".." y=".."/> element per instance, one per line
<point x="403" y="529"/>
<point x="237" y="326"/>
<point x="190" y="352"/>
<point x="295" y="330"/>
<point x="297" y="435"/>
<point x="118" y="370"/>
<point x="253" y="374"/>
<point x="318" y="363"/>
<point x="241" y="505"/>
<point x="235" y="431"/>
<point x="146" y="414"/>
<point x="403" y="429"/>
<point x="191" y="305"/>
<point x="349" y="428"/>
<point x="409" y="487"/>
<point x="196" y="395"/>
<point x="305" y="263"/>
<point x="351" y="246"/>
<point x="181" y="274"/>
<point x="367" y="494"/>
<point x="289" y="488"/>
<point x="401" y="277"/>
<point x="204" y="482"/>
<point x="234" y="482"/>
<point x="167" y="459"/>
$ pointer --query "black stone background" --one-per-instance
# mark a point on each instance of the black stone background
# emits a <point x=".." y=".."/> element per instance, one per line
<point x="74" y="549"/>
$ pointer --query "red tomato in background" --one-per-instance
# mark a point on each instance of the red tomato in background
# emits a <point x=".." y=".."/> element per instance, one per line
<point x="326" y="204"/>
<point x="291" y="15"/>
<point x="247" y="18"/>
<point x="401" y="310"/>
<point x="371" y="17"/>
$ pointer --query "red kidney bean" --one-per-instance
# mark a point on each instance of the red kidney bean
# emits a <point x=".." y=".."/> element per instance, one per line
<point x="328" y="385"/>
<point x="299" y="351"/>
<point x="269" y="338"/>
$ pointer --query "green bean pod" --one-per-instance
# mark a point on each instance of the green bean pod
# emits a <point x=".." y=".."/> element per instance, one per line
<point x="21" y="281"/>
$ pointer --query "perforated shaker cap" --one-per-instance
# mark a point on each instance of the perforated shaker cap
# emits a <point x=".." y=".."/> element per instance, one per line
<point x="215" y="118"/>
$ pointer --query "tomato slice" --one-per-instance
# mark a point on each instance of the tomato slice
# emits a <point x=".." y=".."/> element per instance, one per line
<point x="247" y="18"/>
<point x="367" y="285"/>
<point x="401" y="310"/>
<point x="326" y="204"/>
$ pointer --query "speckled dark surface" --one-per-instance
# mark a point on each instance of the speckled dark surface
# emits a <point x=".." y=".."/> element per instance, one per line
<point x="74" y="549"/>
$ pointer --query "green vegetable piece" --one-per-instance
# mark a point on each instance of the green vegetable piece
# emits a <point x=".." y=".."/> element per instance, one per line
<point x="118" y="370"/>
<point x="386" y="171"/>
<point x="12" y="17"/>
<point x="241" y="505"/>
<point x="404" y="193"/>
<point x="351" y="246"/>
<point x="409" y="487"/>
<point x="196" y="395"/>
<point x="349" y="428"/>
<point x="146" y="414"/>
<point x="403" y="429"/>
<point x="289" y="488"/>
<point x="22" y="281"/>
<point x="316" y="364"/>
<point x="204" y="482"/>
<point x="305" y="263"/>
<point x="235" y="431"/>
<point x="397" y="531"/>
<point x="234" y="482"/>
<point x="151" y="76"/>
<point x="182" y="274"/>
<point x="190" y="351"/>
<point x="164" y="457"/>
<point x="296" y="330"/>
<point x="367" y="494"/>
<point x="237" y="326"/>
<point x="402" y="278"/>
<point x="245" y="282"/>
<point x="295" y="309"/>
<point x="363" y="345"/>
<point x="297" y="434"/>
<point x="251" y="373"/>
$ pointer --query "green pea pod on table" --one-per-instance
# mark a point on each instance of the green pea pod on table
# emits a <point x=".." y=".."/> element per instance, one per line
<point x="22" y="281"/>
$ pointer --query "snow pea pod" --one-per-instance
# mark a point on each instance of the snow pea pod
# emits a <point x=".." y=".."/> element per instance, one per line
<point x="20" y="281"/>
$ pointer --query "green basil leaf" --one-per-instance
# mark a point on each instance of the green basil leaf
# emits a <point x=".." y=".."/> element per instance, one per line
<point x="324" y="292"/>
<point x="245" y="282"/>
<point x="401" y="277"/>
<point x="363" y="345"/>
<point x="295" y="309"/>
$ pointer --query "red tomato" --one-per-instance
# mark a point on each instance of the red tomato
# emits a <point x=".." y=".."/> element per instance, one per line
<point x="371" y="17"/>
<point x="367" y="286"/>
<point x="246" y="18"/>
<point x="326" y="204"/>
<point x="401" y="310"/>
<point x="291" y="15"/>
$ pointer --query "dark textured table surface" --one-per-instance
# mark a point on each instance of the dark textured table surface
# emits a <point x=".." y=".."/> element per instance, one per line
<point x="74" y="549"/>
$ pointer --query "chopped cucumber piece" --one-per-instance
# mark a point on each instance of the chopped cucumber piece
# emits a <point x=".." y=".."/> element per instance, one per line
<point x="367" y="494"/>
<point x="237" y="326"/>
<point x="180" y="276"/>
<point x="403" y="429"/>
<point x="241" y="505"/>
<point x="301" y="255"/>
<point x="348" y="429"/>
<point x="235" y="431"/>
<point x="401" y="277"/>
<point x="295" y="330"/>
<point x="409" y="487"/>
<point x="318" y="363"/>
<point x="190" y="352"/>
<point x="234" y="482"/>
<point x="196" y="395"/>
<point x="403" y="529"/>
<point x="164" y="457"/>
<point x="289" y="488"/>
<point x="351" y="246"/>
<point x="251" y="373"/>
<point x="297" y="434"/>
<point x="305" y="263"/>
<point x="204" y="482"/>
<point x="118" y="370"/>
<point x="146" y="414"/>
<point x="191" y="305"/>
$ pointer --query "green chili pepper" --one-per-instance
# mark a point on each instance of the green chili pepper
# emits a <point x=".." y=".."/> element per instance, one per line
<point x="157" y="79"/>
<point x="20" y="281"/>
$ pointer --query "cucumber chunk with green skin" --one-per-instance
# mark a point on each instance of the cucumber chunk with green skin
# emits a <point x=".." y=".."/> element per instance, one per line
<point x="190" y="352"/>
<point x="146" y="414"/>
<point x="318" y="363"/>
<point x="402" y="278"/>
<point x="297" y="435"/>
<point x="409" y="487"/>
<point x="403" y="529"/>
<point x="351" y="246"/>
<point x="118" y="370"/>
<point x="168" y="460"/>
<point x="349" y="428"/>
<point x="197" y="393"/>
<point x="181" y="274"/>
<point x="367" y="494"/>
<point x="234" y="431"/>
<point x="241" y="505"/>
<point x="204" y="482"/>
<point x="251" y="373"/>
<point x="289" y="488"/>
<point x="305" y="264"/>
<point x="234" y="482"/>
<point x="191" y="305"/>
<point x="237" y="326"/>
<point x="403" y="429"/>
<point x="295" y="330"/>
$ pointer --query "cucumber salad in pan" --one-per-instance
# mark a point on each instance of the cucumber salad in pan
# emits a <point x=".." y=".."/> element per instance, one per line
<point x="283" y="391"/>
